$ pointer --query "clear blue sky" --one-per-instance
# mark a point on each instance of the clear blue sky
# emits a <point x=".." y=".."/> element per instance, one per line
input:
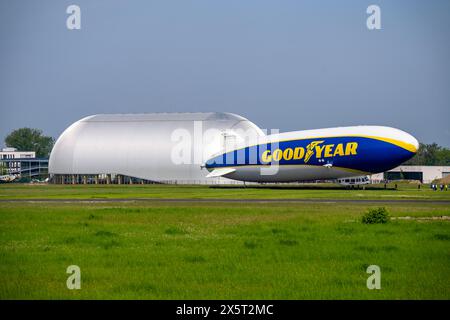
<point x="290" y="65"/>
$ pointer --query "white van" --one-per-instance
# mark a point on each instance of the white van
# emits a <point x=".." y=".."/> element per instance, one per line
<point x="354" y="181"/>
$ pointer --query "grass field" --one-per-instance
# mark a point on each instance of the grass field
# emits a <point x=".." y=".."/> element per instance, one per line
<point x="212" y="250"/>
<point x="308" y="191"/>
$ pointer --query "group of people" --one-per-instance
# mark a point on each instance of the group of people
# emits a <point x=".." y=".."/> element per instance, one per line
<point x="441" y="186"/>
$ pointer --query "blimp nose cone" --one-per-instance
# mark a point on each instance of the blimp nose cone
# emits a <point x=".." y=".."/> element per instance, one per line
<point x="410" y="141"/>
<point x="401" y="138"/>
<point x="409" y="145"/>
<point x="415" y="143"/>
<point x="400" y="147"/>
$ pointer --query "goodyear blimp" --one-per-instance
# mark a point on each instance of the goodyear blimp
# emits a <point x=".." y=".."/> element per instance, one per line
<point x="322" y="154"/>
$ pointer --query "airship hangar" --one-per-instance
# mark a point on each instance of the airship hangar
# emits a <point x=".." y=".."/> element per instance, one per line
<point x="173" y="148"/>
<point x="139" y="148"/>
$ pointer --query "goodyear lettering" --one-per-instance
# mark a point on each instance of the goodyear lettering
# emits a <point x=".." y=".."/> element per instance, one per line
<point x="277" y="154"/>
<point x="339" y="151"/>
<point x="266" y="157"/>
<point x="319" y="150"/>
<point x="351" y="148"/>
<point x="288" y="154"/>
<point x="315" y="149"/>
<point x="299" y="152"/>
<point x="328" y="149"/>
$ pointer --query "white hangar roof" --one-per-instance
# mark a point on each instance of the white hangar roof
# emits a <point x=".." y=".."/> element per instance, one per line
<point x="143" y="145"/>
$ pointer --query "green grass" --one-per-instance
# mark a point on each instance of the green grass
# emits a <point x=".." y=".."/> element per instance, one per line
<point x="308" y="191"/>
<point x="143" y="250"/>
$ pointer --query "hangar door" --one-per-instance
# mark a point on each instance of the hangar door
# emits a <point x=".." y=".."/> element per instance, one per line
<point x="399" y="175"/>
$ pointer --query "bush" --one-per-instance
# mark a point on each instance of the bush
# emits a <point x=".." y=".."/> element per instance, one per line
<point x="378" y="215"/>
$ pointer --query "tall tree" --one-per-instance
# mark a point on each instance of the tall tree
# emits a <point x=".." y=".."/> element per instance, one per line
<point x="27" y="139"/>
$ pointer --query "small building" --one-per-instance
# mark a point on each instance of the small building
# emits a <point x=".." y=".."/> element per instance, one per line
<point x="425" y="174"/>
<point x="16" y="164"/>
<point x="12" y="153"/>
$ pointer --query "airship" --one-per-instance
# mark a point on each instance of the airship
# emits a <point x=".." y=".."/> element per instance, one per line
<point x="321" y="154"/>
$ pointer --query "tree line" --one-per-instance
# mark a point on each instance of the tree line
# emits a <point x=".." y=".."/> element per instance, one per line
<point x="430" y="155"/>
<point x="28" y="139"/>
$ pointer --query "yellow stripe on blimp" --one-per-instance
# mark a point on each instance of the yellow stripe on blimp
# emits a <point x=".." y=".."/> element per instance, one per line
<point x="407" y="146"/>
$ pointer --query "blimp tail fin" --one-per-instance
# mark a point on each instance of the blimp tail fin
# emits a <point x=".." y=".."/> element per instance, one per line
<point x="220" y="172"/>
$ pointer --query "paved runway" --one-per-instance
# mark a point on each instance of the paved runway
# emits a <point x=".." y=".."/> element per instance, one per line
<point x="218" y="200"/>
